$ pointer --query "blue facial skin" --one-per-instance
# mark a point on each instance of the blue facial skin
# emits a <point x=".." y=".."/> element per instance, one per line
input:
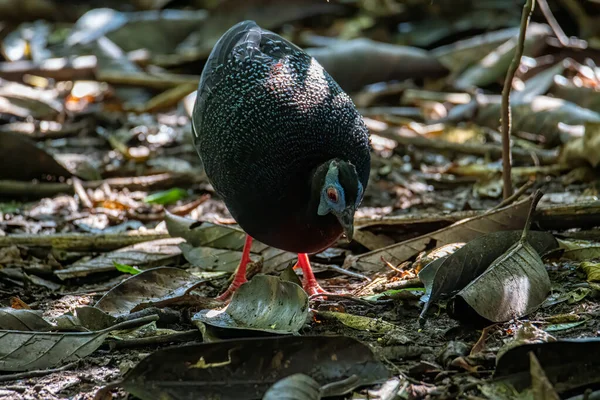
<point x="343" y="212"/>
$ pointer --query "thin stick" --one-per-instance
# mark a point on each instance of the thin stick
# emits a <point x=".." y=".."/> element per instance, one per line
<point x="506" y="117"/>
<point x="330" y="296"/>
<point x="186" y="336"/>
<point x="515" y="195"/>
<point x="80" y="191"/>
<point x="38" y="372"/>
<point x="546" y="157"/>
<point x="560" y="34"/>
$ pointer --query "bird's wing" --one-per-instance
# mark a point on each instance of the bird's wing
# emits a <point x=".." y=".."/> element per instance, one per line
<point x="245" y="39"/>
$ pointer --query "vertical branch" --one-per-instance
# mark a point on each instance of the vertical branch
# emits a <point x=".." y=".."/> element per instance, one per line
<point x="506" y="117"/>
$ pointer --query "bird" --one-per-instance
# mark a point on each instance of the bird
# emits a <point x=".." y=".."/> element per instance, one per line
<point x="282" y="144"/>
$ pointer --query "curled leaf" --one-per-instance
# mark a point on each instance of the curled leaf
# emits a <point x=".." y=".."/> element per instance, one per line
<point x="265" y="303"/>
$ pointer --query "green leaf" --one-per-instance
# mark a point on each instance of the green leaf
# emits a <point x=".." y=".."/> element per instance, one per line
<point x="166" y="197"/>
<point x="126" y="269"/>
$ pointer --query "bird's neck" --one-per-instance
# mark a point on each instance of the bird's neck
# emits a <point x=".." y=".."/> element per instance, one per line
<point x="316" y="182"/>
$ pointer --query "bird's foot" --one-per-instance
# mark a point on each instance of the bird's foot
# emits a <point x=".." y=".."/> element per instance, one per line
<point x="240" y="273"/>
<point x="226" y="295"/>
<point x="309" y="282"/>
<point x="313" y="288"/>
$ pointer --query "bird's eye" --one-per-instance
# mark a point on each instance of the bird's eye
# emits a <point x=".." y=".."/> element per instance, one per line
<point x="332" y="194"/>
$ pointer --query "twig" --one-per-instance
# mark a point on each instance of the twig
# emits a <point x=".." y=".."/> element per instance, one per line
<point x="168" y="98"/>
<point x="62" y="69"/>
<point x="187" y="208"/>
<point x="349" y="273"/>
<point x="342" y="386"/>
<point x="150" y="182"/>
<point x="154" y="81"/>
<point x="134" y="323"/>
<point x="406" y="284"/>
<point x="546" y="157"/>
<point x="390" y="266"/>
<point x="506" y="117"/>
<point x="186" y="336"/>
<point x="80" y="191"/>
<point x="81" y="242"/>
<point x="330" y="296"/>
<point x="515" y="195"/>
<point x="37" y="372"/>
<point x="560" y="34"/>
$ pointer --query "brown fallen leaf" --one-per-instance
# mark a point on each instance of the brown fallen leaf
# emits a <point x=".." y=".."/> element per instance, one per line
<point x="466" y="264"/>
<point x="507" y="218"/>
<point x="515" y="285"/>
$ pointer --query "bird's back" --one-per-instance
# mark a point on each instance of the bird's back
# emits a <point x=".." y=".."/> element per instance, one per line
<point x="266" y="115"/>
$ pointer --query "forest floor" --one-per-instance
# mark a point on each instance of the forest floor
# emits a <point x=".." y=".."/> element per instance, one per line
<point x="113" y="244"/>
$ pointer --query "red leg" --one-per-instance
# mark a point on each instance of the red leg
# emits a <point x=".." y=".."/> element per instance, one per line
<point x="311" y="286"/>
<point x="240" y="273"/>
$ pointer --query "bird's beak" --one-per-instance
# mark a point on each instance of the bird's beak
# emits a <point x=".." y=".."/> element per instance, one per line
<point x="346" y="219"/>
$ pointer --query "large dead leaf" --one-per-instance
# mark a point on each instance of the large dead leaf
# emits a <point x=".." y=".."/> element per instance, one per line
<point x="507" y="218"/>
<point x="205" y="371"/>
<point x="153" y="285"/>
<point x="265" y="303"/>
<point x="145" y="255"/>
<point x="442" y="278"/>
<point x="538" y="85"/>
<point x="25" y="351"/>
<point x="514" y="285"/>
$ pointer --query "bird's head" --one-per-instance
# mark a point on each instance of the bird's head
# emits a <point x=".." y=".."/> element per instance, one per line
<point x="340" y="192"/>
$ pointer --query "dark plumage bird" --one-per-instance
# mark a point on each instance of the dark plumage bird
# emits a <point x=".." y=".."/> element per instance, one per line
<point x="281" y="143"/>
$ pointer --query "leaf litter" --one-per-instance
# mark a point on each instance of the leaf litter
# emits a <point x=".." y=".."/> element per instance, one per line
<point x="101" y="109"/>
